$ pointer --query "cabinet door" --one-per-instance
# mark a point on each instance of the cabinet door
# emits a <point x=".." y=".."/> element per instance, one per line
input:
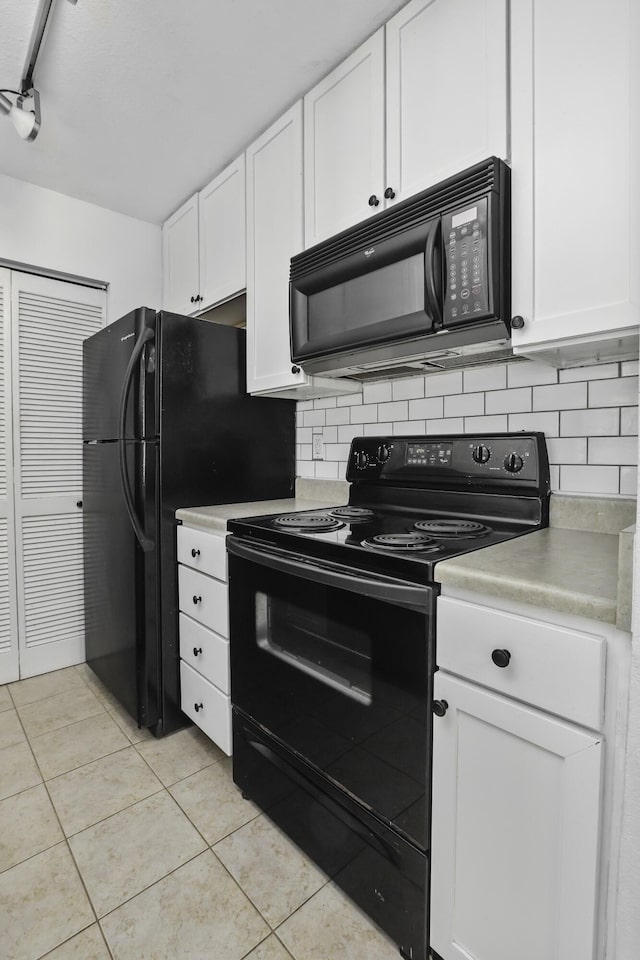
<point x="515" y="830"/>
<point x="274" y="234"/>
<point x="576" y="179"/>
<point x="221" y="217"/>
<point x="344" y="143"/>
<point x="8" y="610"/>
<point x="180" y="271"/>
<point x="446" y="90"/>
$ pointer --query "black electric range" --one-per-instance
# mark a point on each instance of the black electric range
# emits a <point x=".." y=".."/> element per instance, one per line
<point x="333" y="650"/>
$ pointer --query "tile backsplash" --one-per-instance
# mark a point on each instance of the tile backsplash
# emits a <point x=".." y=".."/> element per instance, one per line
<point x="588" y="414"/>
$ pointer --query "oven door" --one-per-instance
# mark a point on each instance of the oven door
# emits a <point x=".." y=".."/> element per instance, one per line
<point x="336" y="664"/>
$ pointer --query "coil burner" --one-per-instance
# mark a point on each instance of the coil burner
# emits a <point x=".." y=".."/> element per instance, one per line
<point x="352" y="514"/>
<point x="452" y="528"/>
<point x="402" y="543"/>
<point x="309" y="523"/>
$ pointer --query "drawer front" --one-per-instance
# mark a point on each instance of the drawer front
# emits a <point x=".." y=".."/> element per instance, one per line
<point x="204" y="599"/>
<point x="206" y="706"/>
<point x="550" y="667"/>
<point x="205" y="651"/>
<point x="206" y="552"/>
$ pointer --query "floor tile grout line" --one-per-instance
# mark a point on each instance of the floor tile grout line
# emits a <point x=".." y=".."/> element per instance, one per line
<point x="47" y="674"/>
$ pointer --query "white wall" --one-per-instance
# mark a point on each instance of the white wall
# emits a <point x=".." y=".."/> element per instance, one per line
<point x="41" y="228"/>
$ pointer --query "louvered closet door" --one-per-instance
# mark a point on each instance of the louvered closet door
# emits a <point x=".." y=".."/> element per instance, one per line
<point x="50" y="319"/>
<point x="8" y="610"/>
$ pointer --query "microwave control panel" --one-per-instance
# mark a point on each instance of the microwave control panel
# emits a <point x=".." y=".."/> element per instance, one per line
<point x="466" y="268"/>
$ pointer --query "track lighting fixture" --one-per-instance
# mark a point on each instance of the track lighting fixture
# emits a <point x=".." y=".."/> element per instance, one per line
<point x="24" y="113"/>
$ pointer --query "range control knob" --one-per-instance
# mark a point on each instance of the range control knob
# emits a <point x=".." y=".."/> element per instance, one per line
<point x="481" y="453"/>
<point x="383" y="453"/>
<point x="361" y="460"/>
<point x="513" y="463"/>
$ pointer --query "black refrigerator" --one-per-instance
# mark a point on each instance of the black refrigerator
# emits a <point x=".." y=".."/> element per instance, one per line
<point x="167" y="423"/>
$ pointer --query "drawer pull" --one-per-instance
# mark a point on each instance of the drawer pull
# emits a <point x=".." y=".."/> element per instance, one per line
<point x="440" y="707"/>
<point x="197" y="600"/>
<point x="196" y="651"/>
<point x="501" y="658"/>
<point x="197" y="707"/>
<point x="195" y="553"/>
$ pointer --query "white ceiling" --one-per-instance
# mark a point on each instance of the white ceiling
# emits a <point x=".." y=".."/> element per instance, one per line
<point x="144" y="101"/>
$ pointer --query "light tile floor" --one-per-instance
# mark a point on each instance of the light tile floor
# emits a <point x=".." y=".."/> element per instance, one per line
<point x="116" y="845"/>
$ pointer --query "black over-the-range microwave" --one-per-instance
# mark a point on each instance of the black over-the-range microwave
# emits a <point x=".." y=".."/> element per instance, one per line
<point x="424" y="284"/>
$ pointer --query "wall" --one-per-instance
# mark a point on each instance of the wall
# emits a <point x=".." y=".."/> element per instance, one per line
<point x="588" y="414"/>
<point x="45" y="229"/>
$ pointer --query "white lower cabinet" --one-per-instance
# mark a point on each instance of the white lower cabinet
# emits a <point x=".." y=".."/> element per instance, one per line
<point x="204" y="633"/>
<point x="516" y="799"/>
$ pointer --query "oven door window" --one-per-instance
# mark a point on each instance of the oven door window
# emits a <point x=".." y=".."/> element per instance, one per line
<point x="339" y="678"/>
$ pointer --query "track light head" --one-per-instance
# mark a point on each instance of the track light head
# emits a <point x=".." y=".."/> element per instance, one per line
<point x="24" y="113"/>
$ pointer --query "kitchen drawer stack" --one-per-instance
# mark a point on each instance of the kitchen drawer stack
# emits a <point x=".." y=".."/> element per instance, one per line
<point x="204" y="633"/>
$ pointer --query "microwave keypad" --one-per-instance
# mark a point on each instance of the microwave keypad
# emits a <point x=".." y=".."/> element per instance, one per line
<point x="465" y="243"/>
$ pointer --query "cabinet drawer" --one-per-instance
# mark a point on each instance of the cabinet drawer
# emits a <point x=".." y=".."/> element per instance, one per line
<point x="206" y="552"/>
<point x="204" y="599"/>
<point x="205" y="651"/>
<point x="551" y="667"/>
<point x="213" y="715"/>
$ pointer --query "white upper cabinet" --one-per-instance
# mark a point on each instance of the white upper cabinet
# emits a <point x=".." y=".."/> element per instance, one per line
<point x="180" y="272"/>
<point x="446" y="95"/>
<point x="576" y="179"/>
<point x="223" y="235"/>
<point x="203" y="245"/>
<point x="344" y="143"/>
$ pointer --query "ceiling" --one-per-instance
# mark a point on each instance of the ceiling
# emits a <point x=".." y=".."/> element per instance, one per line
<point x="144" y="102"/>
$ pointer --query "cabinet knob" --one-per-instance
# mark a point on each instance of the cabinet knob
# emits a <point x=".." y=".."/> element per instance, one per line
<point x="501" y="658"/>
<point x="440" y="707"/>
<point x="197" y="707"/>
<point x="373" y="201"/>
<point x="195" y="553"/>
<point x="517" y="323"/>
<point x="78" y="503"/>
<point x="389" y="193"/>
<point x="198" y="299"/>
<point x="197" y="600"/>
<point x="295" y="369"/>
<point x="196" y="651"/>
<point x="193" y="299"/>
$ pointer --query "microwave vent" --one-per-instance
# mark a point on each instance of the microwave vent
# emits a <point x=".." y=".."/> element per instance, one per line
<point x="433" y="365"/>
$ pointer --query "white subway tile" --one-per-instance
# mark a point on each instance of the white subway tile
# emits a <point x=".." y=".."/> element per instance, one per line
<point x="398" y="410"/>
<point x="629" y="420"/>
<point x="379" y="392"/>
<point x="590" y="423"/>
<point x="330" y="435"/>
<point x="306" y="468"/>
<point x="304" y="435"/>
<point x="408" y="428"/>
<point x="601" y="371"/>
<point x="348" y="432"/>
<point x="561" y="396"/>
<point x="326" y="469"/>
<point x="464" y="405"/>
<point x="349" y="400"/>
<point x="408" y="389"/>
<point x="306" y="451"/>
<point x="314" y="418"/>
<point x="567" y="449"/>
<point x="439" y="384"/>
<point x="367" y="413"/>
<point x="431" y="408"/>
<point x="495" y="424"/>
<point x="378" y="429"/>
<point x="547" y="423"/>
<point x="614" y="450"/>
<point x="622" y="392"/>
<point x="529" y="373"/>
<point x="554" y="476"/>
<point x="484" y="378"/>
<point x="339" y="415"/>
<point x="445" y="426"/>
<point x="629" y="481"/>
<point x="337" y="451"/>
<point x="323" y="403"/>
<point x="508" y="401"/>
<point x="589" y="479"/>
<point x="304" y="405"/>
<point x="629" y="368"/>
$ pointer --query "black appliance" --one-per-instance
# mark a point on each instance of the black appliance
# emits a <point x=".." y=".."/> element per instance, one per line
<point x="333" y="650"/>
<point x="166" y="424"/>
<point x="421" y="284"/>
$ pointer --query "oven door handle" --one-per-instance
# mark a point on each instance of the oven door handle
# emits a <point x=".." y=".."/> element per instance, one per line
<point x="387" y="589"/>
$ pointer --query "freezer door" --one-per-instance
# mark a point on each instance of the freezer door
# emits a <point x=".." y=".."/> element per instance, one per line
<point x="121" y="593"/>
<point x="106" y="356"/>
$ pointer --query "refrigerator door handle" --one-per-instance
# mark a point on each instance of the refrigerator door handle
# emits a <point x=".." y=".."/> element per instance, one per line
<point x="146" y="334"/>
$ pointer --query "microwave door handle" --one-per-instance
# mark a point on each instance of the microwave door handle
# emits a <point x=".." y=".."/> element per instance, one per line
<point x="432" y="267"/>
